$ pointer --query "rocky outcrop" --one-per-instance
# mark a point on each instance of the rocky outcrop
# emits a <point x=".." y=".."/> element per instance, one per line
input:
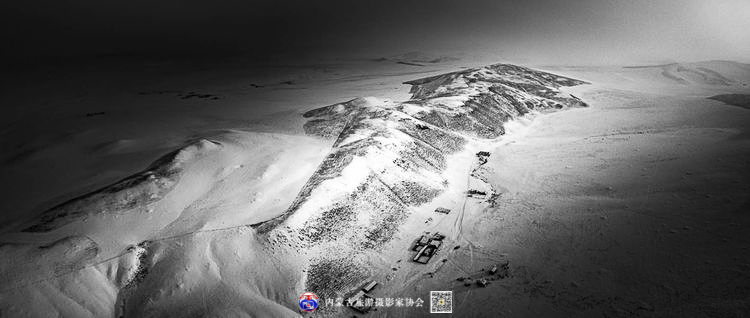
<point x="387" y="158"/>
<point x="390" y="157"/>
<point x="479" y="101"/>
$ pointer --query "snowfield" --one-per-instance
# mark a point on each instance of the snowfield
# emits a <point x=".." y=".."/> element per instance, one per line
<point x="607" y="191"/>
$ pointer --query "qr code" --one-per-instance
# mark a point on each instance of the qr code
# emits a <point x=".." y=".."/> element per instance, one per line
<point x="441" y="302"/>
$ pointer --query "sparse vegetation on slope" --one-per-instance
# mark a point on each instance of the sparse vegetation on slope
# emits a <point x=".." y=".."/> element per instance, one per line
<point x="388" y="158"/>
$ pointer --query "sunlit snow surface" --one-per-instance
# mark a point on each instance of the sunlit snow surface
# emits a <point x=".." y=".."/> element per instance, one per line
<point x="241" y="223"/>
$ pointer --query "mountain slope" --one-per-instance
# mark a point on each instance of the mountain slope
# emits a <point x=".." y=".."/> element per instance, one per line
<point x="195" y="233"/>
<point x="389" y="158"/>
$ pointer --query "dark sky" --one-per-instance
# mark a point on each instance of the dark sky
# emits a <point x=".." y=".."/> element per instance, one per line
<point x="584" y="31"/>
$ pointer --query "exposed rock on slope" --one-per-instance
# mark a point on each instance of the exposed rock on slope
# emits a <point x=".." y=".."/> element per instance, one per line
<point x="381" y="163"/>
<point x="388" y="157"/>
<point x="398" y="150"/>
<point x="64" y="255"/>
<point x="478" y="101"/>
<point x="135" y="191"/>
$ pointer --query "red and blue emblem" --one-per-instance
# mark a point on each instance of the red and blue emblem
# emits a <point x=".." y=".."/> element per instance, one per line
<point x="308" y="302"/>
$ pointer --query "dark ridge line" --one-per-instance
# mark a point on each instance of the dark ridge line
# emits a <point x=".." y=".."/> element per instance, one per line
<point x="45" y="223"/>
<point x="418" y="139"/>
<point x="400" y="199"/>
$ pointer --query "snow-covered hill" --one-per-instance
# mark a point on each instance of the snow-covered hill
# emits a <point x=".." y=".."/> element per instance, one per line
<point x="391" y="157"/>
<point x="204" y="231"/>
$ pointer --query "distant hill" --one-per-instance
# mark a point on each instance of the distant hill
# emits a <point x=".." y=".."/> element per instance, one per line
<point x="714" y="73"/>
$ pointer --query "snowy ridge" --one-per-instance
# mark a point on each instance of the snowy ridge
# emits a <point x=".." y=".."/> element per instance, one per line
<point x="403" y="146"/>
<point x="479" y="101"/>
<point x="389" y="158"/>
<point x="138" y="190"/>
<point x="138" y="248"/>
<point x="159" y="241"/>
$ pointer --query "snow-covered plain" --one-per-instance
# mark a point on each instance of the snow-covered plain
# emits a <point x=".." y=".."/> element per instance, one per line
<point x="634" y="206"/>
